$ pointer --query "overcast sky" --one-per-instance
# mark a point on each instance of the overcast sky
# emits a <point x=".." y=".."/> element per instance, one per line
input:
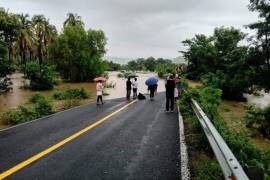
<point x="142" y="28"/>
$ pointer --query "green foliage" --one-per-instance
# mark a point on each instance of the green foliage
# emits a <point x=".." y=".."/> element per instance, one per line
<point x="164" y="69"/>
<point x="259" y="119"/>
<point x="41" y="77"/>
<point x="149" y="64"/>
<point x="239" y="143"/>
<point x="210" y="172"/>
<point x="111" y="66"/>
<point x="262" y="43"/>
<point x="23" y="114"/>
<point x="76" y="93"/>
<point x="43" y="107"/>
<point x="77" y="53"/>
<point x="220" y="62"/>
<point x="36" y="97"/>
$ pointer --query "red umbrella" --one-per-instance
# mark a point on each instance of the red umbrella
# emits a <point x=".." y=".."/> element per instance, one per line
<point x="103" y="79"/>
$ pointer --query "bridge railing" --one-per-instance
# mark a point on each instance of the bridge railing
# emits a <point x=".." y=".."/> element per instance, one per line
<point x="230" y="166"/>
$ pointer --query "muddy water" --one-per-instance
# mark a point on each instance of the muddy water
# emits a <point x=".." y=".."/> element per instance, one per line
<point x="120" y="88"/>
<point x="19" y="96"/>
<point x="261" y="101"/>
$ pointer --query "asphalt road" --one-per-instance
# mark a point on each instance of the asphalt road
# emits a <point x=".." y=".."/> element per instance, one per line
<point x="139" y="142"/>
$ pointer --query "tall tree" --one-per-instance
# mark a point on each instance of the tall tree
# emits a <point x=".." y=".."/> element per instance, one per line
<point x="9" y="30"/>
<point x="262" y="42"/>
<point x="44" y="34"/>
<point x="25" y="40"/>
<point x="73" y="20"/>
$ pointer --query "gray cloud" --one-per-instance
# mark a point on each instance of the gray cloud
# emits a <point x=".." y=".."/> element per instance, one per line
<point x="141" y="28"/>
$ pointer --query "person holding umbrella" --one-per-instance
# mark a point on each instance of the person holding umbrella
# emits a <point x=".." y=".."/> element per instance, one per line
<point x="152" y="86"/>
<point x="99" y="88"/>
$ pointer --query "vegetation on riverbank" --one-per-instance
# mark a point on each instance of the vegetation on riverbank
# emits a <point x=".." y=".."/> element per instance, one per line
<point x="40" y="106"/>
<point x="239" y="142"/>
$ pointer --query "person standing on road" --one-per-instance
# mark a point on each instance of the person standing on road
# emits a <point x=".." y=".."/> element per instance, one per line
<point x="152" y="89"/>
<point x="135" y="88"/>
<point x="128" y="86"/>
<point x="99" y="92"/>
<point x="170" y="87"/>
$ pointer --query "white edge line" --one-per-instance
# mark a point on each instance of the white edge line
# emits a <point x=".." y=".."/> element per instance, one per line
<point x="185" y="173"/>
<point x="15" y="126"/>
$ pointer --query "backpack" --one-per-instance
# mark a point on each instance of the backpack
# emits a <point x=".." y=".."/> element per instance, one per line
<point x="141" y="96"/>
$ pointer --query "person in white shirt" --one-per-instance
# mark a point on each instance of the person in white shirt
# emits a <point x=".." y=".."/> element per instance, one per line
<point x="99" y="92"/>
<point x="135" y="88"/>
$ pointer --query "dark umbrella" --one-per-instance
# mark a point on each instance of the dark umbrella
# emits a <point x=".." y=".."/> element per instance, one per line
<point x="151" y="81"/>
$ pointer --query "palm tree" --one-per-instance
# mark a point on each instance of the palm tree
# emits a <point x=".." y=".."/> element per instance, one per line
<point x="50" y="34"/>
<point x="39" y="28"/>
<point x="73" y="20"/>
<point x="25" y="41"/>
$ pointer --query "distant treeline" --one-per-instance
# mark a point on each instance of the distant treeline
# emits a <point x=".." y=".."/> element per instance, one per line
<point x="159" y="65"/>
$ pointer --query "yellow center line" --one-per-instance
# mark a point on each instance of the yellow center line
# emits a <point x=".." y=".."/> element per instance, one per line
<point x="59" y="144"/>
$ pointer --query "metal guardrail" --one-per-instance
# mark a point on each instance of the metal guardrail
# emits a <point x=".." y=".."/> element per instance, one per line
<point x="230" y="166"/>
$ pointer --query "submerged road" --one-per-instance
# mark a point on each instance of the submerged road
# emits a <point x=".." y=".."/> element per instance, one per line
<point x="119" y="140"/>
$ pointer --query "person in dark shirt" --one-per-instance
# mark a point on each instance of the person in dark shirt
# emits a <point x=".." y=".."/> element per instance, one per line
<point x="128" y="84"/>
<point x="152" y="89"/>
<point x="170" y="86"/>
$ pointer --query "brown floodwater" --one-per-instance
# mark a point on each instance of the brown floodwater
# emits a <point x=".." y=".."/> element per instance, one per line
<point x="120" y="89"/>
<point x="19" y="96"/>
<point x="261" y="100"/>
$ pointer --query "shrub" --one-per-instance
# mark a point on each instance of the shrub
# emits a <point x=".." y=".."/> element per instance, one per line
<point x="239" y="143"/>
<point x="69" y="103"/>
<point x="259" y="119"/>
<point x="76" y="93"/>
<point x="19" y="115"/>
<point x="43" y="107"/>
<point x="27" y="113"/>
<point x="36" y="97"/>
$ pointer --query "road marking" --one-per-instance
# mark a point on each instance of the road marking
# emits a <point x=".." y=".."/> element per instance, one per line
<point x="59" y="144"/>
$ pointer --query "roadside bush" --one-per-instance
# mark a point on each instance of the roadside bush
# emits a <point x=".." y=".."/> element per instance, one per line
<point x="76" y="93"/>
<point x="69" y="103"/>
<point x="20" y="115"/>
<point x="43" y="107"/>
<point x="259" y="119"/>
<point x="239" y="143"/>
<point x="25" y="113"/>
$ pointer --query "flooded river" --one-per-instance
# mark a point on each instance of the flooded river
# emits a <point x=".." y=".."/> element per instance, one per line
<point x="19" y="96"/>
